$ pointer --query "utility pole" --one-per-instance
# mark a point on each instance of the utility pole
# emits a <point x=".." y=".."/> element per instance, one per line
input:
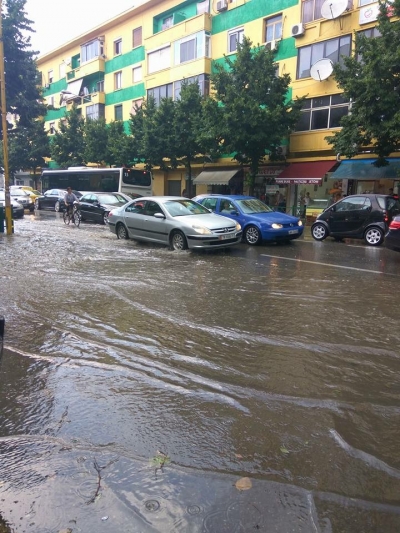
<point x="8" y="212"/>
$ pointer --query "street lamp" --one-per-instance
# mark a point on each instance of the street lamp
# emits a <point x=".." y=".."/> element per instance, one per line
<point x="8" y="212"/>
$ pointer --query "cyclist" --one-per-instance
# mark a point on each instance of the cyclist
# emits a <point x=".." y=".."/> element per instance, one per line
<point x="69" y="200"/>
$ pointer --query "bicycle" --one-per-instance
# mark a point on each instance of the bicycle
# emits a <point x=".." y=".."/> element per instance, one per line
<point x="72" y="215"/>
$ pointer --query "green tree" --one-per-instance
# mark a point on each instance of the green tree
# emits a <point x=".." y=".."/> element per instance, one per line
<point x="67" y="145"/>
<point x="256" y="114"/>
<point x="187" y="123"/>
<point x="96" y="141"/>
<point x="120" y="146"/>
<point x="371" y="81"/>
<point x="23" y="95"/>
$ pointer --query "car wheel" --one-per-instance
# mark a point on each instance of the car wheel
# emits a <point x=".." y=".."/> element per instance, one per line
<point x="122" y="232"/>
<point x="252" y="235"/>
<point x="37" y="205"/>
<point x="319" y="232"/>
<point x="178" y="241"/>
<point x="374" y="236"/>
<point x="57" y="206"/>
<point x="105" y="218"/>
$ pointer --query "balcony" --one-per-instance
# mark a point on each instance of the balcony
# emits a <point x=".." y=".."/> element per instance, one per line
<point x="177" y="31"/>
<point x="87" y="99"/>
<point x="91" y="67"/>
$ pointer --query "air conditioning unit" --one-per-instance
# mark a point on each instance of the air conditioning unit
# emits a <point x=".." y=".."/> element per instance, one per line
<point x="272" y="45"/>
<point x="222" y="5"/>
<point x="297" y="30"/>
<point x="47" y="86"/>
<point x="282" y="150"/>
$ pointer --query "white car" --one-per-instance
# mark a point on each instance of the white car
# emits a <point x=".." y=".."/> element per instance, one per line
<point x="177" y="222"/>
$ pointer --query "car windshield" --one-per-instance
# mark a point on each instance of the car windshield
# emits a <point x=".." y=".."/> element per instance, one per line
<point x="111" y="199"/>
<point x="19" y="192"/>
<point x="253" y="205"/>
<point x="181" y="208"/>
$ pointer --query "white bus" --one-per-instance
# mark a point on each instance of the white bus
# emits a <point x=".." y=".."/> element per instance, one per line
<point x="131" y="181"/>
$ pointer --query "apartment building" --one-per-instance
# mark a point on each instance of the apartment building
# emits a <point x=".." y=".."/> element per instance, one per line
<point x="152" y="47"/>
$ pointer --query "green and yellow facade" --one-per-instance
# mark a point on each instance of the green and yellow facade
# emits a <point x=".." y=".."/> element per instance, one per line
<point x="151" y="48"/>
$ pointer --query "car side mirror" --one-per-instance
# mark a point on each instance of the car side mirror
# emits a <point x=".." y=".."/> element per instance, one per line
<point x="159" y="215"/>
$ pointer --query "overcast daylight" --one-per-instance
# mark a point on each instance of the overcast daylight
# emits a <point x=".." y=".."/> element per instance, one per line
<point x="57" y="21"/>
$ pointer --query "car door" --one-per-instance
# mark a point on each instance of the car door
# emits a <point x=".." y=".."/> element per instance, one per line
<point x="133" y="217"/>
<point x="349" y="216"/>
<point x="227" y="208"/>
<point x="50" y="198"/>
<point x="86" y="206"/>
<point x="154" y="228"/>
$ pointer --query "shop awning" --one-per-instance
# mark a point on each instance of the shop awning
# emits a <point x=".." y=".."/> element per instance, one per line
<point x="305" y="173"/>
<point x="215" y="177"/>
<point x="364" y="170"/>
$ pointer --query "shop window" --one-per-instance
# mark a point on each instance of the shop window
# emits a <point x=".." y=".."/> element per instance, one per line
<point x="137" y="37"/>
<point x="234" y="38"/>
<point x="323" y="112"/>
<point x="332" y="49"/>
<point x="273" y="29"/>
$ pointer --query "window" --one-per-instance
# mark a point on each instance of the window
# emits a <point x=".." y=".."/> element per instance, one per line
<point x="137" y="74"/>
<point x="52" y="128"/>
<point x="95" y="111"/>
<point x="353" y="204"/>
<point x="137" y="37"/>
<point x="50" y="76"/>
<point x="323" y="112"/>
<point x="203" y="81"/>
<point x="61" y="70"/>
<point x="203" y="7"/>
<point x="158" y="93"/>
<point x="118" y="47"/>
<point x="118" y="80"/>
<point x="192" y="47"/>
<point x="159" y="59"/>
<point x="332" y="49"/>
<point x="92" y="50"/>
<point x="51" y="101"/>
<point x="118" y="112"/>
<point x="371" y="32"/>
<point x="366" y="2"/>
<point x="100" y="86"/>
<point x="311" y="10"/>
<point x="167" y="23"/>
<point x="273" y="29"/>
<point x="235" y="37"/>
<point x="135" y="105"/>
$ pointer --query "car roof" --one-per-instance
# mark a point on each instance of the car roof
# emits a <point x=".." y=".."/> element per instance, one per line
<point x="230" y="196"/>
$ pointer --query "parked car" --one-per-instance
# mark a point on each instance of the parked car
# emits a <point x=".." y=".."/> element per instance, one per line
<point x="258" y="221"/>
<point x="95" y="206"/>
<point x="17" y="208"/>
<point x="53" y="199"/>
<point x="177" y="222"/>
<point x="359" y="216"/>
<point x="392" y="237"/>
<point x="23" y="198"/>
<point x="32" y="193"/>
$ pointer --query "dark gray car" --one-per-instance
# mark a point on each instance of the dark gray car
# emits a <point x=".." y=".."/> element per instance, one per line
<point x="95" y="206"/>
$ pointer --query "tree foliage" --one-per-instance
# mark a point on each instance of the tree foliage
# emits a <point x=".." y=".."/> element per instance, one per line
<point x="67" y="144"/>
<point x="96" y="140"/>
<point x="120" y="146"/>
<point x="256" y="115"/>
<point x="371" y="81"/>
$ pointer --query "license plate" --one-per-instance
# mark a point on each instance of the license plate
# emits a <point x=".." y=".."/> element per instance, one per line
<point x="224" y="237"/>
<point x="291" y="231"/>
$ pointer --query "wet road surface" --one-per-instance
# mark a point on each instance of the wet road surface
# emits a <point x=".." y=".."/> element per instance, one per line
<point x="144" y="390"/>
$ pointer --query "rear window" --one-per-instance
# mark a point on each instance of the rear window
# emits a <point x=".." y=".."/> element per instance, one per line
<point x="393" y="205"/>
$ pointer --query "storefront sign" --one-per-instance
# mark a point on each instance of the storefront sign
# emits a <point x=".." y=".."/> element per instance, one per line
<point x="369" y="13"/>
<point x="270" y="171"/>
<point x="298" y="181"/>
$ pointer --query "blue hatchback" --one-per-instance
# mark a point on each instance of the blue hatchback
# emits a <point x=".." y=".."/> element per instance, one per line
<point x="259" y="222"/>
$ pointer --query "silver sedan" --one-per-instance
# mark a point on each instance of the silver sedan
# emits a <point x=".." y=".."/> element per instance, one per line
<point x="176" y="222"/>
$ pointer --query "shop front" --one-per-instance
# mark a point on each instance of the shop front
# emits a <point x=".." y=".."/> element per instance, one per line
<point x="228" y="181"/>
<point x="303" y="183"/>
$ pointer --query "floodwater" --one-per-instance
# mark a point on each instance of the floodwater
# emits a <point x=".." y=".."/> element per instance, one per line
<point x="144" y="390"/>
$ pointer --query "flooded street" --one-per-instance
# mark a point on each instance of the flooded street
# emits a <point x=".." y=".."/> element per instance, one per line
<point x="140" y="387"/>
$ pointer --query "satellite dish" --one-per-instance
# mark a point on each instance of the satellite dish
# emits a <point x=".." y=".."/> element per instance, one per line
<point x="332" y="9"/>
<point x="322" y="69"/>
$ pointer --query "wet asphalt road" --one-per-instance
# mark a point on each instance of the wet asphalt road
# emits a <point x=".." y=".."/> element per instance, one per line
<point x="143" y="390"/>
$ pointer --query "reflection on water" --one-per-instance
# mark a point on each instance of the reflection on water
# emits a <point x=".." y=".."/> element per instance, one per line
<point x="232" y="364"/>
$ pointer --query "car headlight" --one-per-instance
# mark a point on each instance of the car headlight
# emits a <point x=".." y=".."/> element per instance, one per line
<point x="238" y="226"/>
<point x="299" y="223"/>
<point x="276" y="226"/>
<point x="202" y="230"/>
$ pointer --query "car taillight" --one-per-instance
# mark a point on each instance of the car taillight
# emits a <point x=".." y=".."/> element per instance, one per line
<point x="395" y="224"/>
<point x="385" y="217"/>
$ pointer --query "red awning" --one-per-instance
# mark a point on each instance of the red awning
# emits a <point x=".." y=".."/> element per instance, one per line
<point x="305" y="173"/>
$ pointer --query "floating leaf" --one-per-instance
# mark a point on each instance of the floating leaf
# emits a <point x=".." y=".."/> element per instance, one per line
<point x="244" y="483"/>
<point x="284" y="450"/>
